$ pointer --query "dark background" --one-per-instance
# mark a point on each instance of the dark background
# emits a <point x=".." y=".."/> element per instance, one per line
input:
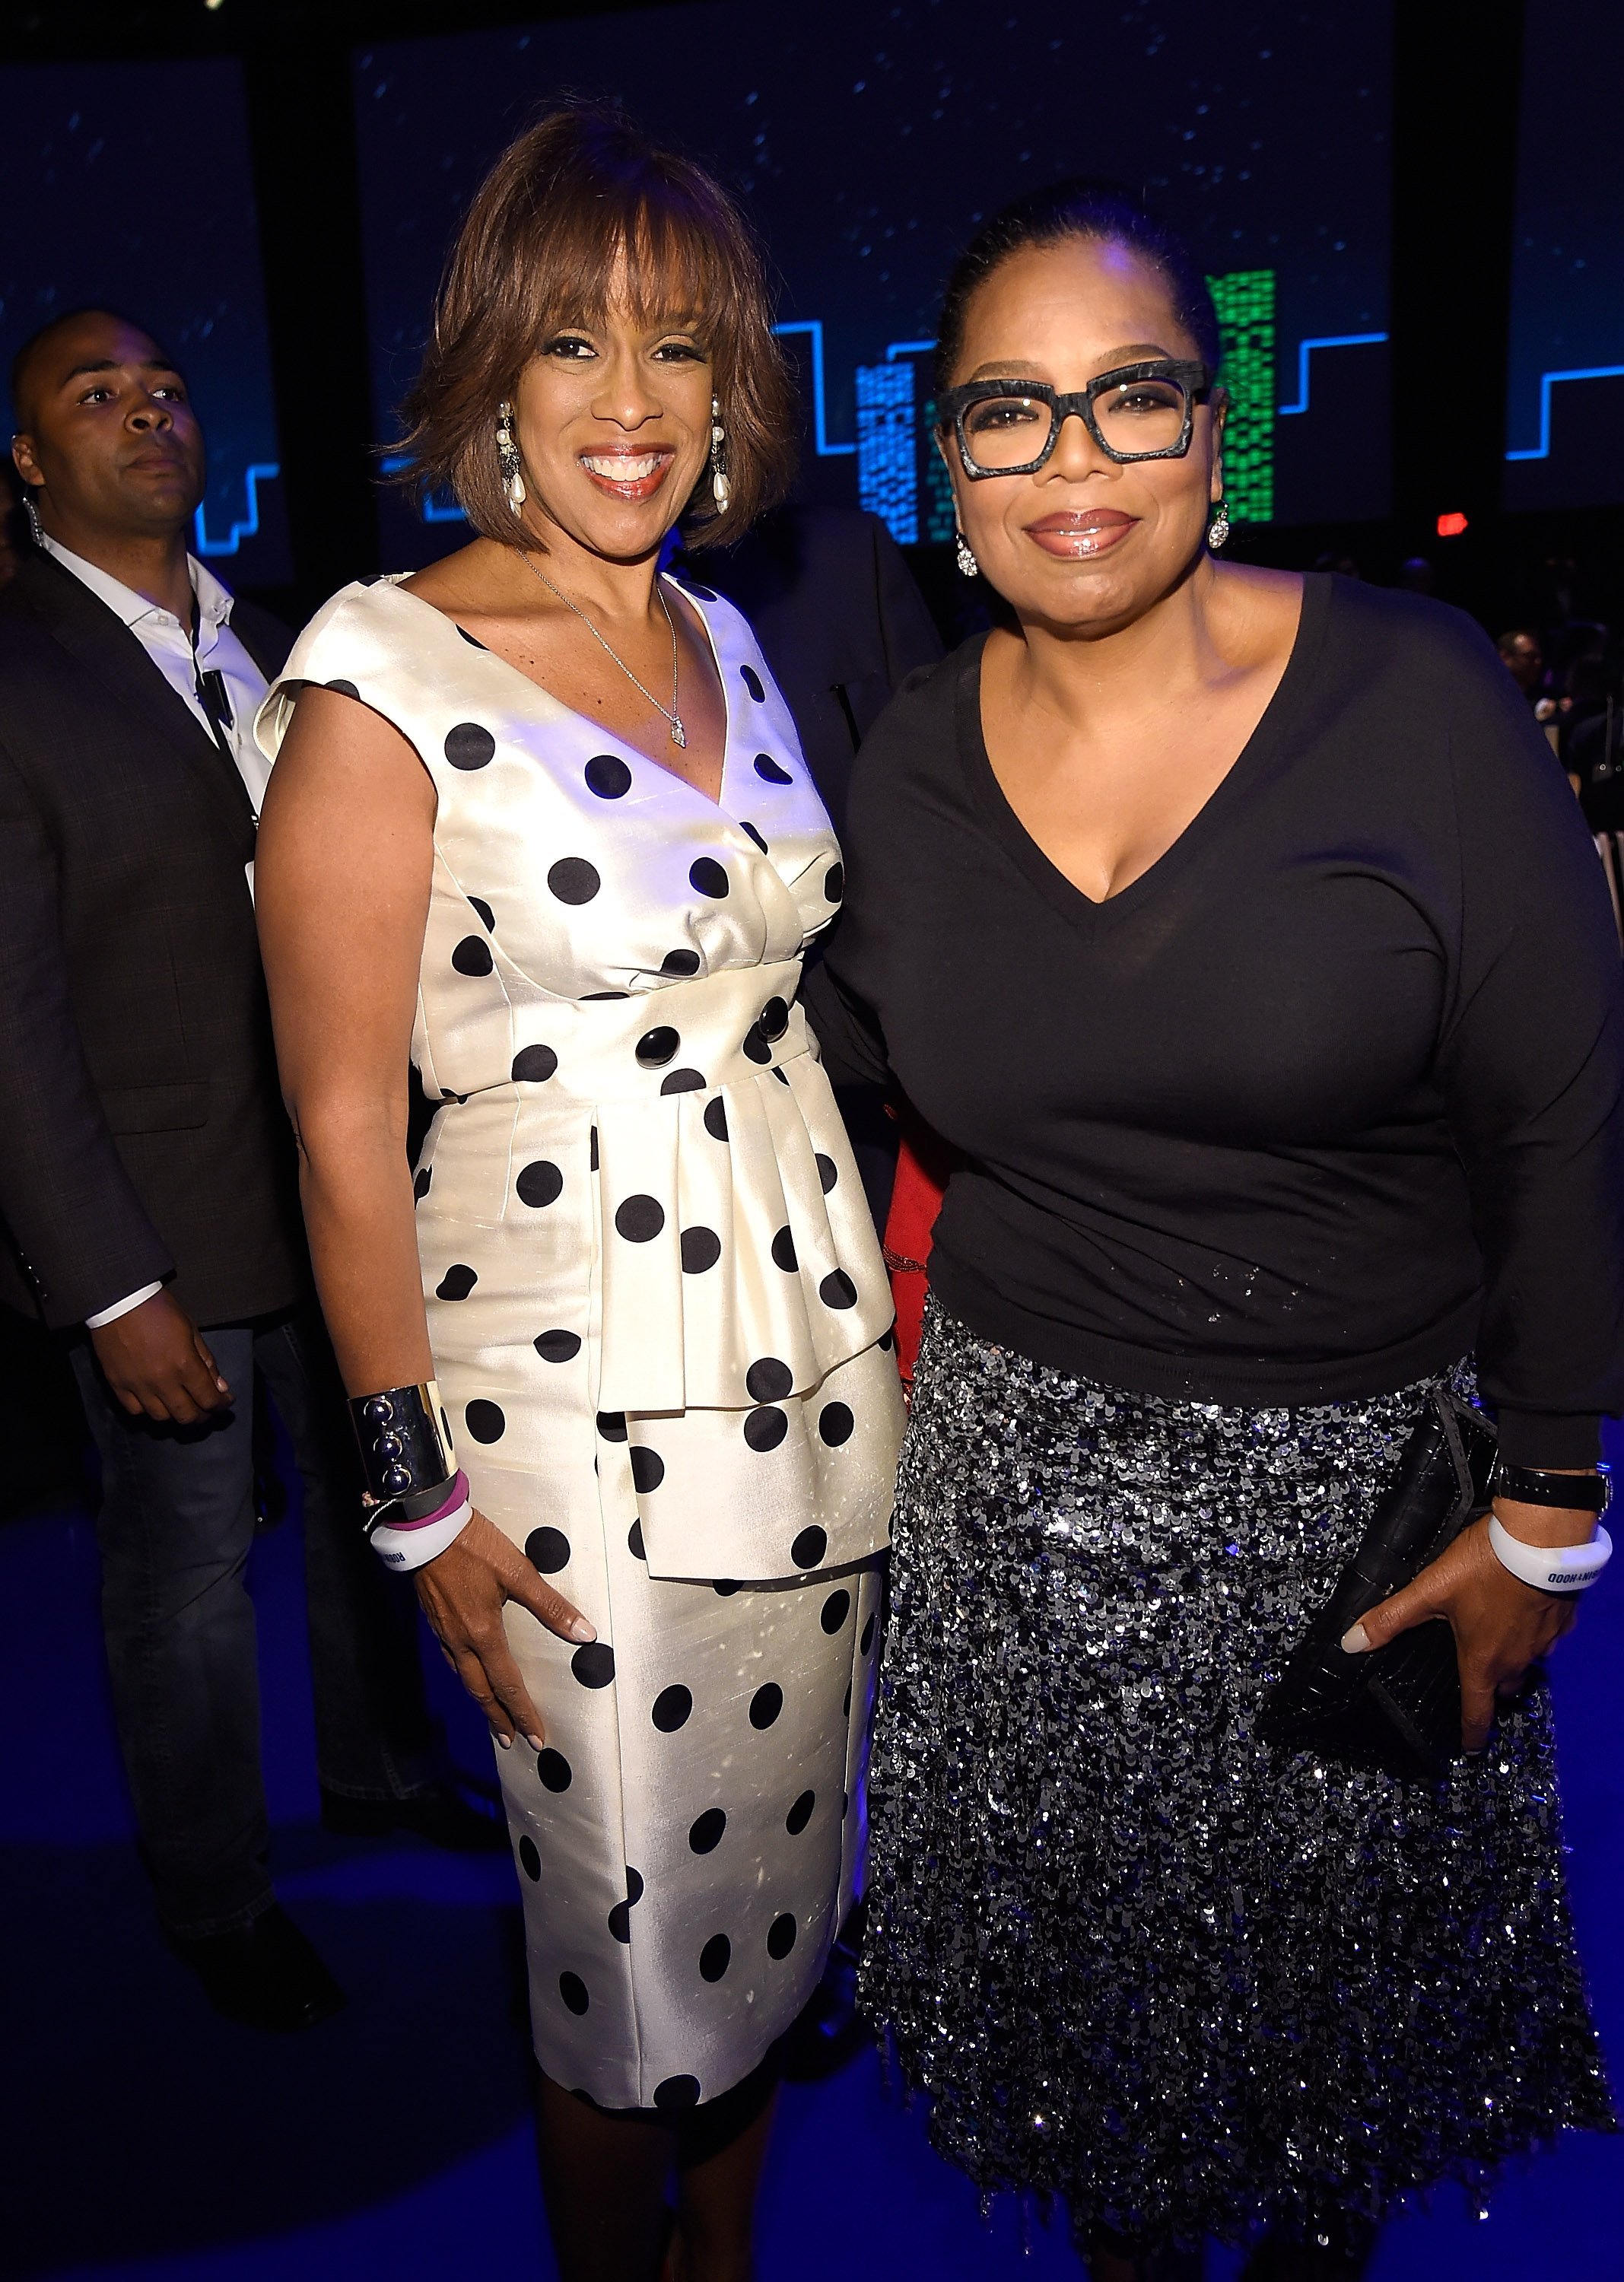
<point x="1396" y="166"/>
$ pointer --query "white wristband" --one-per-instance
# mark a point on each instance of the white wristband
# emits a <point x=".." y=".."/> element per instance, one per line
<point x="411" y="1549"/>
<point x="1551" y="1569"/>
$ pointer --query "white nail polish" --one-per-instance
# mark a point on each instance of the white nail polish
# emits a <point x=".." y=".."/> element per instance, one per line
<point x="581" y="1630"/>
<point x="505" y="1741"/>
<point x="1357" y="1641"/>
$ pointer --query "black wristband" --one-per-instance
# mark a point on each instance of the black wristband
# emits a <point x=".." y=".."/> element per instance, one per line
<point x="1538" y="1486"/>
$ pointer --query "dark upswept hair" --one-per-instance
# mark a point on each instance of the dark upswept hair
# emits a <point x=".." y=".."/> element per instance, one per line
<point x="537" y="248"/>
<point x="1082" y="206"/>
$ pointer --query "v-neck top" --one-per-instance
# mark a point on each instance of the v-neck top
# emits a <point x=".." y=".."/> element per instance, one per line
<point x="1328" y="1095"/>
<point x="632" y="1105"/>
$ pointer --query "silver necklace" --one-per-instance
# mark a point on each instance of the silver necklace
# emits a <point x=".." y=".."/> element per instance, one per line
<point x="678" y="735"/>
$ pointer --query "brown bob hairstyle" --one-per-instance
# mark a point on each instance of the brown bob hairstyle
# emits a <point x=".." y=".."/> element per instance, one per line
<point x="564" y="202"/>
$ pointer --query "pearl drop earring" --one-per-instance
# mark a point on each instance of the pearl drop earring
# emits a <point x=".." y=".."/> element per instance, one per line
<point x="507" y="458"/>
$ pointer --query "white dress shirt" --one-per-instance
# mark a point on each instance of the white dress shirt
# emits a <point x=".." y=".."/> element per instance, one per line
<point x="168" y="644"/>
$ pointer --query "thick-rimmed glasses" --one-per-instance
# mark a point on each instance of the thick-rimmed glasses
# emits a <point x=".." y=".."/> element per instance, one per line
<point x="1137" y="411"/>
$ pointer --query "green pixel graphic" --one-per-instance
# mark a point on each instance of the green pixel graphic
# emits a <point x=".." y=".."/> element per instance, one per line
<point x="1245" y="302"/>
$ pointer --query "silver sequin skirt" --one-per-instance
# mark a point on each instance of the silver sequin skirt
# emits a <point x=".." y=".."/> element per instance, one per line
<point x="1131" y="1956"/>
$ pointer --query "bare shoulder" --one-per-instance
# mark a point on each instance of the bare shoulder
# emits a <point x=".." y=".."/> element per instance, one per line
<point x="459" y="581"/>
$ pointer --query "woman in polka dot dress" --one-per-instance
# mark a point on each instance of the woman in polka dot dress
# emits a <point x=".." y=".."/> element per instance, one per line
<point x="642" y="1268"/>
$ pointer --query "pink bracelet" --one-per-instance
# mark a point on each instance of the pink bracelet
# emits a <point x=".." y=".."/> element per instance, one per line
<point x="453" y="1498"/>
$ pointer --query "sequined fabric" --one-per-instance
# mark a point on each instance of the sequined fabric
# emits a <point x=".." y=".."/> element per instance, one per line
<point x="1131" y="1956"/>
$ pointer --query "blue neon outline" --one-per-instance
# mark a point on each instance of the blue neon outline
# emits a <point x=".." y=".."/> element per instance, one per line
<point x="428" y="508"/>
<point x="1548" y="380"/>
<point x="821" y="439"/>
<point x="907" y="348"/>
<point x="1322" y="341"/>
<point x="259" y="471"/>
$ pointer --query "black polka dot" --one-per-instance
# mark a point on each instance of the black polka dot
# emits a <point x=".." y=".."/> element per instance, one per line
<point x="634" y="1544"/>
<point x="472" y="955"/>
<point x="640" y="1219"/>
<point x="768" y="1380"/>
<point x="573" y="879"/>
<point x="724" y="1587"/>
<point x="716" y="1119"/>
<point x="608" y="776"/>
<point x="766" y="1705"/>
<point x="801" y="1814"/>
<point x="620" y="1921"/>
<point x="755" y="1046"/>
<point x="456" y="1282"/>
<point x="529" y="1858"/>
<point x="555" y="1770"/>
<point x="594" y="1665"/>
<point x="886" y="1342"/>
<point x="598" y="998"/>
<point x="647" y="1468"/>
<point x="837" y="1290"/>
<point x="751" y="680"/>
<point x="679" y="962"/>
<point x="829" y="1172"/>
<point x="548" y="1550"/>
<point x="343" y="688"/>
<point x="671" y="1708"/>
<point x="765" y="1429"/>
<point x="485" y="913"/>
<point x="534" y="1065"/>
<point x="677" y="2092"/>
<point x="772" y="772"/>
<point x="752" y="833"/>
<point x="557" y="1346"/>
<point x="780" y="1936"/>
<point x="834" y="883"/>
<point x="468" y="746"/>
<point x="846" y="1797"/>
<point x="782" y="1076"/>
<point x="655" y="1048"/>
<point x="783" y="1252"/>
<point x="834" y="1611"/>
<point x="707" y="877"/>
<point x="592" y="1147"/>
<point x="705" y="1835"/>
<point x="485" y="1421"/>
<point x="611" y="1425"/>
<point x="634" y="1887"/>
<point x="702" y="1248"/>
<point x="539" y="1182"/>
<point x="810" y="1547"/>
<point x="715" y="1957"/>
<point x="774" y="1018"/>
<point x="845" y="1706"/>
<point x="469" y="638"/>
<point x="835" y="1424"/>
<point x="868" y="1641"/>
<point x="572" y="1989"/>
<point x="683" y="1081"/>
<point x="420" y="1182"/>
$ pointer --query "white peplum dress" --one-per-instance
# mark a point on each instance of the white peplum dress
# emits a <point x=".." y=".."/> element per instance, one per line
<point x="662" y="1326"/>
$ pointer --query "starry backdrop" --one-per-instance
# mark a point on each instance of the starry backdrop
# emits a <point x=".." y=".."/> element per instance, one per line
<point x="128" y="184"/>
<point x="868" y="141"/>
<point x="1565" y="438"/>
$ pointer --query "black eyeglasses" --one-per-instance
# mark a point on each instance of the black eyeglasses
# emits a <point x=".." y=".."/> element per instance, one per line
<point x="1139" y="412"/>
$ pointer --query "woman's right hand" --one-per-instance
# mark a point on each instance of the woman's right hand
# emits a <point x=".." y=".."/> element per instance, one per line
<point x="463" y="1590"/>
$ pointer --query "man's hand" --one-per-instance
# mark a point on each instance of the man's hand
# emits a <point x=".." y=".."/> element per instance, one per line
<point x="155" y="1361"/>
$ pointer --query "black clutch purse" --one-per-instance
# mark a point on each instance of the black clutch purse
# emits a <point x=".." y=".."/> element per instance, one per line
<point x="1396" y="1708"/>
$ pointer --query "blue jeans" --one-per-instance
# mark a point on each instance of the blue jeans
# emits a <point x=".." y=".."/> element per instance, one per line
<point x="175" y="1529"/>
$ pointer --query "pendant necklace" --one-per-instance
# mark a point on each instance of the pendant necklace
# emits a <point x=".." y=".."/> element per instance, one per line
<point x="678" y="735"/>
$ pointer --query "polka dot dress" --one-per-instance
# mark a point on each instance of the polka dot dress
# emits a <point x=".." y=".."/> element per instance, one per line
<point x="662" y="1326"/>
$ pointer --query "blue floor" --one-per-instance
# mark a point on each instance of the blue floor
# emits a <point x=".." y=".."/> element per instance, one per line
<point x="146" y="2139"/>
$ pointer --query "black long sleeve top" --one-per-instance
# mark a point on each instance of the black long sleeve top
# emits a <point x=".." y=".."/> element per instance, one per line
<point x="1330" y="1095"/>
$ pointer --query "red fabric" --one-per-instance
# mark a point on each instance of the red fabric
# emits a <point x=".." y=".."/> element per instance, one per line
<point x="922" y="1166"/>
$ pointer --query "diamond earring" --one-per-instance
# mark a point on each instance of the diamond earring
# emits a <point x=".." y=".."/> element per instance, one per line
<point x="968" y="566"/>
<point x="721" y="490"/>
<point x="507" y="458"/>
<point x="1217" y="530"/>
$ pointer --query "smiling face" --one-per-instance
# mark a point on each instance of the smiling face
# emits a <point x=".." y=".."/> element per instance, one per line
<point x="109" y="444"/>
<point x="612" y="420"/>
<point x="1086" y="542"/>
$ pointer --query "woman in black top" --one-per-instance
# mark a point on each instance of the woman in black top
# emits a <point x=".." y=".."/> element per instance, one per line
<point x="1242" y="936"/>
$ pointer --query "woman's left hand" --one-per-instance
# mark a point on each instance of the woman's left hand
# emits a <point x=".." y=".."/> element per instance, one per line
<point x="1501" y="1625"/>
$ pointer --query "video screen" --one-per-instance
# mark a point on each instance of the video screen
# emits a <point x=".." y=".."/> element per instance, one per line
<point x="128" y="186"/>
<point x="868" y="143"/>
<point x="1565" y="395"/>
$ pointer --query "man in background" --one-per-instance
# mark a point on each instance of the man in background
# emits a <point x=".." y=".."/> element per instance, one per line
<point x="147" y="1182"/>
